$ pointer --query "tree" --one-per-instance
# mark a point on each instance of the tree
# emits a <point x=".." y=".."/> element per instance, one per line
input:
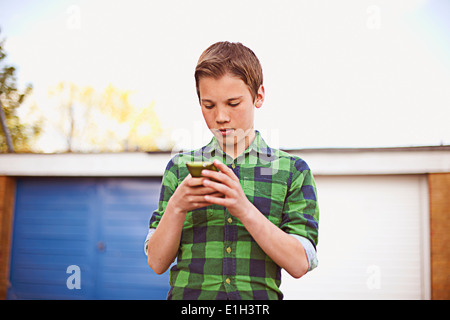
<point x="105" y="121"/>
<point x="15" y="135"/>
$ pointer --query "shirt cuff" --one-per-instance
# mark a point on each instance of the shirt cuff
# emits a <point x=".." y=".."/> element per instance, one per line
<point x="310" y="251"/>
<point x="149" y="235"/>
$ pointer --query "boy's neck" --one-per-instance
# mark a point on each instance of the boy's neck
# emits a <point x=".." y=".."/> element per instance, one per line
<point x="236" y="149"/>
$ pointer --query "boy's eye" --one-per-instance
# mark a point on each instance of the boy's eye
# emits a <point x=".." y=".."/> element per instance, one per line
<point x="234" y="104"/>
<point x="209" y="106"/>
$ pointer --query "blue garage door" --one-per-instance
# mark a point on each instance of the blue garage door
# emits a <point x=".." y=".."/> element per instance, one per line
<point x="82" y="238"/>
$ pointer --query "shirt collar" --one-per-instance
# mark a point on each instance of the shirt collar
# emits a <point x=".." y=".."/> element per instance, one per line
<point x="258" y="145"/>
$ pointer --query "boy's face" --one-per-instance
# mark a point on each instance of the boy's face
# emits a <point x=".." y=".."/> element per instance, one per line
<point x="228" y="108"/>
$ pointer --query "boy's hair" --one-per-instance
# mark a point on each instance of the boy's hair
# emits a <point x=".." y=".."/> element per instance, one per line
<point x="230" y="57"/>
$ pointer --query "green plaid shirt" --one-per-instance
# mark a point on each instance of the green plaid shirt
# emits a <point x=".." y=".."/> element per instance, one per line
<point x="217" y="257"/>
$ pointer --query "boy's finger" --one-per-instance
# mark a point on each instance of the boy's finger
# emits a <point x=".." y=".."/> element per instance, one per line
<point x="217" y="176"/>
<point x="202" y="204"/>
<point x="214" y="200"/>
<point x="219" y="187"/>
<point x="222" y="167"/>
<point x="193" y="182"/>
<point x="217" y="195"/>
<point x="202" y="190"/>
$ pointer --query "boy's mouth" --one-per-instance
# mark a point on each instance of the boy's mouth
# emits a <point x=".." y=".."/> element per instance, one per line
<point x="225" y="132"/>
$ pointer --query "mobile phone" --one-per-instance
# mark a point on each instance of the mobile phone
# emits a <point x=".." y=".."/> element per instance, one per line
<point x="195" y="168"/>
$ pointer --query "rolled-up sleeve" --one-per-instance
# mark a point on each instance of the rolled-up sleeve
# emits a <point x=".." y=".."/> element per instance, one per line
<point x="149" y="235"/>
<point x="301" y="210"/>
<point x="310" y="251"/>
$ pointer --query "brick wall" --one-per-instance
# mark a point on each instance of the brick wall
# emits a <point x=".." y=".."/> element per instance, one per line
<point x="439" y="185"/>
<point x="7" y="192"/>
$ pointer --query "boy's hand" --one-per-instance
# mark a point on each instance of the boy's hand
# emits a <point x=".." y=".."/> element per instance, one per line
<point x="235" y="199"/>
<point x="190" y="195"/>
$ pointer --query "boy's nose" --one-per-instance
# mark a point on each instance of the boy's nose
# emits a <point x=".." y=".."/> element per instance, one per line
<point x="222" y="116"/>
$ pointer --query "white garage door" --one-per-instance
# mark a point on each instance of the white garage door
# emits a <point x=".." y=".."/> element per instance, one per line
<point x="373" y="240"/>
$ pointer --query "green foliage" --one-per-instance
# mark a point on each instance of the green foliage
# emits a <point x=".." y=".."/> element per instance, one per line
<point x="104" y="121"/>
<point x="11" y="98"/>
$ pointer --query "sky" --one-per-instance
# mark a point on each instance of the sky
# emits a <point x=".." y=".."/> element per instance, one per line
<point x="351" y="74"/>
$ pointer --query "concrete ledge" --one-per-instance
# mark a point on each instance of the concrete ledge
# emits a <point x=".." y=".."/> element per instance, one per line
<point x="418" y="160"/>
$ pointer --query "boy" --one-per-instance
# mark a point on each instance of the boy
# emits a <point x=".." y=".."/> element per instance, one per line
<point x="233" y="230"/>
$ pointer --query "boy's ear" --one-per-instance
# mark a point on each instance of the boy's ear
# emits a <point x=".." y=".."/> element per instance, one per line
<point x="260" y="97"/>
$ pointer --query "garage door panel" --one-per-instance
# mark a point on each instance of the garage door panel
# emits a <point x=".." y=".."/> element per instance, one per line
<point x="52" y="246"/>
<point x="371" y="240"/>
<point x="98" y="225"/>
<point x="46" y="291"/>
<point x="54" y="231"/>
<point x="59" y="186"/>
<point x="40" y="261"/>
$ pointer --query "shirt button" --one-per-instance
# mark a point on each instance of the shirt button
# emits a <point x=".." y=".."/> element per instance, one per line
<point x="230" y="220"/>
<point x="228" y="280"/>
<point x="229" y="250"/>
<point x="233" y="166"/>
